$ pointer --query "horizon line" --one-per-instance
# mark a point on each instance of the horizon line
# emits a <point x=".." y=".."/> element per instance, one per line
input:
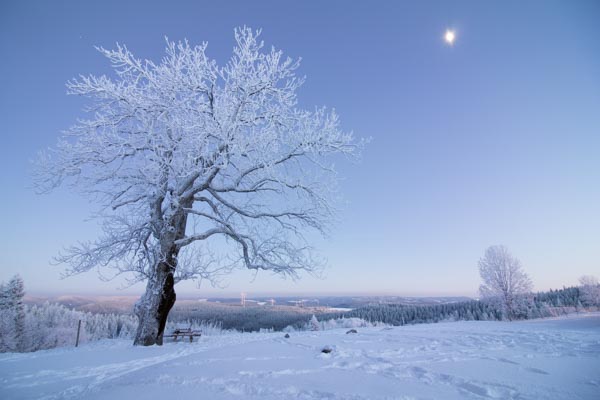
<point x="229" y="295"/>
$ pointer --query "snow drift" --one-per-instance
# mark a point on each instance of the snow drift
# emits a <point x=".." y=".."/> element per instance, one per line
<point x="541" y="359"/>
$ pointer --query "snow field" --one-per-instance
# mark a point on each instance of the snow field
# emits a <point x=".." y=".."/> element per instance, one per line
<point x="540" y="359"/>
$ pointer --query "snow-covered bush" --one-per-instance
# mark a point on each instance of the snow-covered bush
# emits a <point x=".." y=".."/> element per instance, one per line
<point x="314" y="324"/>
<point x="590" y="290"/>
<point x="335" y="323"/>
<point x="346" y="323"/>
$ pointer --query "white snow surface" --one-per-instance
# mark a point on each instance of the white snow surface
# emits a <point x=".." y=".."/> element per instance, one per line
<point x="540" y="359"/>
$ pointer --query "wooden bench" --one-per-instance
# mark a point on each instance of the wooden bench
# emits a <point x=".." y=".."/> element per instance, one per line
<point x="183" y="333"/>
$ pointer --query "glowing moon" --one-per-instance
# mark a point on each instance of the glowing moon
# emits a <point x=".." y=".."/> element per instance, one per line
<point x="449" y="37"/>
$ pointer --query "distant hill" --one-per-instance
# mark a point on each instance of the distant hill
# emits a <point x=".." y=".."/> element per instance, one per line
<point x="124" y="304"/>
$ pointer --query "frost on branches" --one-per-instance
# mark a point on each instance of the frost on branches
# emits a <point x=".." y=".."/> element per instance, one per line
<point x="183" y="154"/>
<point x="503" y="280"/>
<point x="590" y="290"/>
<point x="12" y="315"/>
<point x="314" y="324"/>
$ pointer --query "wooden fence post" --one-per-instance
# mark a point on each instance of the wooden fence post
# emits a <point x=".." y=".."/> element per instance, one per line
<point x="78" y="329"/>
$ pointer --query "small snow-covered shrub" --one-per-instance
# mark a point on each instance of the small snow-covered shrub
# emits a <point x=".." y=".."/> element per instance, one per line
<point x="347" y="323"/>
<point x="314" y="324"/>
<point x="336" y="323"/>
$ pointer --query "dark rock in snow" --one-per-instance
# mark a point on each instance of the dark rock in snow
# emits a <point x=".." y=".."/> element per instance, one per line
<point x="287" y="336"/>
<point x="326" y="350"/>
<point x="351" y="331"/>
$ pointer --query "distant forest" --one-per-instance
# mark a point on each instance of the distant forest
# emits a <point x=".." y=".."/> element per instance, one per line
<point x="245" y="319"/>
<point x="255" y="318"/>
<point x="544" y="304"/>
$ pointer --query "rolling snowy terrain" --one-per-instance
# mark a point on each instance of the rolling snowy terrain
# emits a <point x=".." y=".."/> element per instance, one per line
<point x="539" y="359"/>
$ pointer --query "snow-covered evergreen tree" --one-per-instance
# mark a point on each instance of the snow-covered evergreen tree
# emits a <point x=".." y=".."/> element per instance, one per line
<point x="6" y="327"/>
<point x="16" y="291"/>
<point x="12" y="315"/>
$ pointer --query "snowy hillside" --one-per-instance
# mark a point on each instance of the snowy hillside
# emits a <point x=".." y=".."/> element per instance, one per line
<point x="541" y="359"/>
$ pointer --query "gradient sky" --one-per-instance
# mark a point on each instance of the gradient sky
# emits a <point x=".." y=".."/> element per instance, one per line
<point x="495" y="140"/>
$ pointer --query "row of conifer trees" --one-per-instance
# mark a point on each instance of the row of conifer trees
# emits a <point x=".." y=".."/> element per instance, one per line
<point x="25" y="328"/>
<point x="540" y="305"/>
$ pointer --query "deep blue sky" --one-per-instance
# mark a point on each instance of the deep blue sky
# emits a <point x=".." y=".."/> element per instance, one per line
<point x="495" y="140"/>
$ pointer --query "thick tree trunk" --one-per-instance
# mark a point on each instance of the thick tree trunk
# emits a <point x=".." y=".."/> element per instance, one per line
<point x="153" y="307"/>
<point x="508" y="305"/>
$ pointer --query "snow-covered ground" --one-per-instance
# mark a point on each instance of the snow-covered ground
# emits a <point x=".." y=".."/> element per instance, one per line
<point x="542" y="359"/>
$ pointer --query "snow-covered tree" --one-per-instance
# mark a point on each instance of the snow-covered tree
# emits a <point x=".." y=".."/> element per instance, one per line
<point x="6" y="326"/>
<point x="590" y="290"/>
<point x="12" y="315"/>
<point x="183" y="154"/>
<point x="16" y="289"/>
<point x="503" y="279"/>
<point x="314" y="324"/>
